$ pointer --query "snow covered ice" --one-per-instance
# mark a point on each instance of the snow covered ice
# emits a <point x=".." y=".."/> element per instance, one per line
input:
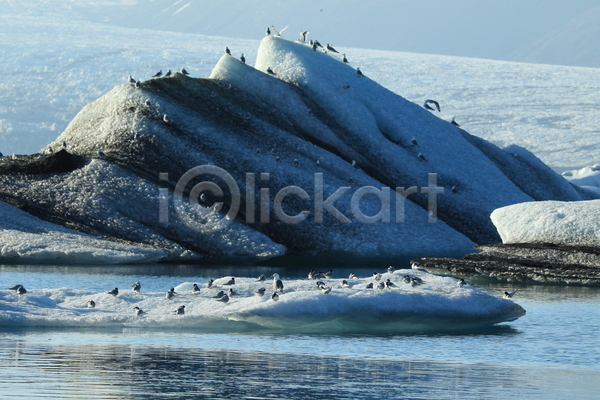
<point x="437" y="304"/>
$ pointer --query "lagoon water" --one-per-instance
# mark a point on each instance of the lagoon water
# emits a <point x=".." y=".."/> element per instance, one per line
<point x="553" y="352"/>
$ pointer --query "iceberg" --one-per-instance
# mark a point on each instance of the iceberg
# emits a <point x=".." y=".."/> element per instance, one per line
<point x="438" y="304"/>
<point x="314" y="160"/>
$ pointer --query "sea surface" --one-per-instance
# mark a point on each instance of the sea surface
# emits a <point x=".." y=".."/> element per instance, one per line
<point x="553" y="352"/>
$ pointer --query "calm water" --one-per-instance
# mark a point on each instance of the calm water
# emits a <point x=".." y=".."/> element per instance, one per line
<point x="552" y="353"/>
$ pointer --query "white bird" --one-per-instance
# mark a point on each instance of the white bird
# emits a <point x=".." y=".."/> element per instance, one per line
<point x="390" y="269"/>
<point x="376" y="276"/>
<point x="171" y="293"/>
<point x="195" y="289"/>
<point x="345" y="284"/>
<point x="261" y="278"/>
<point x="435" y="103"/>
<point x="381" y="286"/>
<point x="461" y="282"/>
<point x="325" y="290"/>
<point x="209" y="283"/>
<point x="230" y="282"/>
<point x="179" y="311"/>
<point x="276" y="32"/>
<point x="304" y="35"/>
<point x="311" y="274"/>
<point x="138" y="311"/>
<point x="417" y="266"/>
<point x="261" y="291"/>
<point x="21" y="290"/>
<point x="369" y="286"/>
<point x="136" y="287"/>
<point x="330" y="48"/>
<point x="277" y="283"/>
<point x="223" y="299"/>
<point x="510" y="295"/>
<point x="91" y="304"/>
<point x="274" y="296"/>
<point x="329" y="274"/>
<point x="352" y="276"/>
<point x="389" y="284"/>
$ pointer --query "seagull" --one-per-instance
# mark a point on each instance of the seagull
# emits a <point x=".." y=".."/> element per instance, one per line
<point x="261" y="291"/>
<point x="414" y="142"/>
<point x="354" y="164"/>
<point x="131" y="80"/>
<point x="390" y="269"/>
<point x="227" y="51"/>
<point x="320" y="284"/>
<point x="311" y="274"/>
<point x="421" y="157"/>
<point x="261" y="278"/>
<point x="381" y="286"/>
<point x="344" y="59"/>
<point x="376" y="276"/>
<point x="277" y="283"/>
<point x="435" y="103"/>
<point x="243" y="59"/>
<point x="406" y="279"/>
<point x="170" y="294"/>
<point x="114" y="292"/>
<point x="325" y="290"/>
<point x="168" y="73"/>
<point x="219" y="295"/>
<point x="330" y="48"/>
<point x="389" y="284"/>
<point x="91" y="304"/>
<point x="231" y="293"/>
<point x="359" y="72"/>
<point x="230" y="282"/>
<point x="270" y="71"/>
<point x="318" y="44"/>
<point x="314" y="47"/>
<point x="137" y="84"/>
<point x="453" y="122"/>
<point x="209" y="284"/>
<point x="416" y="266"/>
<point x="179" y="311"/>
<point x="274" y="296"/>
<point x="195" y="289"/>
<point x="223" y="299"/>
<point x="345" y="283"/>
<point x="16" y="287"/>
<point x="267" y="32"/>
<point x="296" y="162"/>
<point x="304" y="35"/>
<point x="329" y="274"/>
<point x="166" y="119"/>
<point x="369" y="286"/>
<point x="138" y="311"/>
<point x="461" y="282"/>
<point x="352" y="276"/>
<point x="21" y="290"/>
<point x="415" y="280"/>
<point x="158" y="74"/>
<point x="276" y="32"/>
<point x="136" y="287"/>
<point x="183" y="71"/>
<point x="100" y="153"/>
<point x="510" y="295"/>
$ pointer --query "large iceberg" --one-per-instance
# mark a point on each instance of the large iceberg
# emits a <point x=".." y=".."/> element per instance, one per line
<point x="313" y="159"/>
<point x="439" y="303"/>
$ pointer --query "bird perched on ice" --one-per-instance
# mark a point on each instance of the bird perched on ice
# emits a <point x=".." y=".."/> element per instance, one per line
<point x="261" y="291"/>
<point x="220" y="294"/>
<point x="180" y="310"/>
<point x="114" y="292"/>
<point x="261" y="278"/>
<point x="243" y="59"/>
<point x="435" y="103"/>
<point x="270" y="71"/>
<point x="195" y="289"/>
<point x="223" y="299"/>
<point x="390" y="269"/>
<point x="376" y="276"/>
<point x="311" y="274"/>
<point x="267" y="32"/>
<point x="131" y="80"/>
<point x="345" y="284"/>
<point x="227" y="51"/>
<point x="369" y="286"/>
<point x="184" y="72"/>
<point x="231" y="292"/>
<point x="461" y="282"/>
<point x="453" y="122"/>
<point x="91" y="304"/>
<point x="277" y="283"/>
<point x="136" y="287"/>
<point x="15" y="287"/>
<point x="359" y="72"/>
<point x="389" y="284"/>
<point x="304" y="35"/>
<point x="276" y="32"/>
<point x="381" y="286"/>
<point x="274" y="296"/>
<point x="168" y="73"/>
<point x="344" y="59"/>
<point x="421" y="157"/>
<point x="325" y="290"/>
<point x="158" y="74"/>
<point x="138" y="311"/>
<point x="330" y="48"/>
<point x="352" y="276"/>
<point x="416" y="266"/>
<point x="171" y="293"/>
<point x="509" y="295"/>
<point x="414" y="142"/>
<point x="209" y="283"/>
<point x="230" y="282"/>
<point x="21" y="290"/>
<point x="329" y="274"/>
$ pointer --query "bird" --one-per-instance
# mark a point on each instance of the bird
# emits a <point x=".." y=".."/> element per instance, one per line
<point x="131" y="80"/>
<point x="136" y="287"/>
<point x="320" y="284"/>
<point x="231" y="292"/>
<point x="415" y="280"/>
<point x="15" y="287"/>
<point x="345" y="283"/>
<point x="389" y="284"/>
<point x="261" y="278"/>
<point x="267" y="32"/>
<point x="344" y="59"/>
<point x="230" y="282"/>
<point x="509" y="295"/>
<point x="171" y="293"/>
<point x="376" y="276"/>
<point x="406" y="279"/>
<point x="243" y="59"/>
<point x="274" y="296"/>
<point x="261" y="291"/>
<point x="354" y="164"/>
<point x="435" y="103"/>
<point x="138" y="311"/>
<point x="381" y="286"/>
<point x="421" y="157"/>
<point x="416" y="265"/>
<point x="414" y="142"/>
<point x="21" y="290"/>
<point x="158" y="74"/>
<point x="219" y="295"/>
<point x="329" y="274"/>
<point x="330" y="48"/>
<point x="195" y="289"/>
<point x="100" y="153"/>
<point x="276" y="32"/>
<point x="114" y="292"/>
<point x="316" y="43"/>
<point x="325" y="290"/>
<point x="311" y="274"/>
<point x="91" y="304"/>
<point x="168" y="73"/>
<point x="137" y="84"/>
<point x="352" y="276"/>
<point x="304" y="35"/>
<point x="227" y="51"/>
<point x="296" y="162"/>
<point x="277" y="283"/>
<point x="180" y="310"/>
<point x="390" y="269"/>
<point x="461" y="282"/>
<point x="369" y="286"/>
<point x="453" y="122"/>
<point x="166" y="119"/>
<point x="183" y="71"/>
<point x="359" y="72"/>
<point x="270" y="71"/>
<point x="314" y="47"/>
<point x="209" y="283"/>
<point x="223" y="299"/>
<point x="64" y="144"/>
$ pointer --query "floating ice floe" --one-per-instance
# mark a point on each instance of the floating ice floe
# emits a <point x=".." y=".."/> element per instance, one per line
<point x="438" y="303"/>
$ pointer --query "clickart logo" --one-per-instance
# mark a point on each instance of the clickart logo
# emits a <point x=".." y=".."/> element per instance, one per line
<point x="192" y="207"/>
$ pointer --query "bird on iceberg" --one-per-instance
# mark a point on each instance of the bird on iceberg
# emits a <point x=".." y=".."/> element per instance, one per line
<point x="223" y="299"/>
<point x="381" y="286"/>
<point x="243" y="59"/>
<point x="376" y="276"/>
<point x="158" y="74"/>
<point x="276" y="32"/>
<point x="329" y="274"/>
<point x="435" y="103"/>
<point x="180" y="310"/>
<point x="91" y="304"/>
<point x="231" y="292"/>
<point x="270" y="71"/>
<point x="453" y="122"/>
<point x="209" y="283"/>
<point x="510" y="295"/>
<point x="131" y="80"/>
<point x="304" y="35"/>
<point x="390" y="269"/>
<point x="137" y="84"/>
<point x="414" y="142"/>
<point x="227" y="51"/>
<point x="316" y="43"/>
<point x="416" y="266"/>
<point x="267" y="32"/>
<point x="352" y="276"/>
<point x="183" y="71"/>
<point x="230" y="282"/>
<point x="325" y="290"/>
<point x="138" y="311"/>
<point x="195" y="289"/>
<point x="100" y="153"/>
<point x="311" y="274"/>
<point x="421" y="157"/>
<point x="462" y="282"/>
<point x="314" y="47"/>
<point x="274" y="296"/>
<point x="261" y="278"/>
<point x="320" y="284"/>
<point x="389" y="284"/>
<point x="261" y="291"/>
<point x="344" y="283"/>
<point x="15" y="287"/>
<point x="369" y="286"/>
<point x="344" y="59"/>
<point x="21" y="290"/>
<point x="171" y="293"/>
<point x="277" y="283"/>
<point x="330" y="48"/>
<point x="168" y="73"/>
<point x="415" y="280"/>
<point x="359" y="72"/>
<point x="219" y="295"/>
<point x="114" y="292"/>
<point x="136" y="287"/>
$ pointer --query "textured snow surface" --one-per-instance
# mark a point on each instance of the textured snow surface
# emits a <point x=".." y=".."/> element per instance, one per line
<point x="570" y="223"/>
<point x="438" y="303"/>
